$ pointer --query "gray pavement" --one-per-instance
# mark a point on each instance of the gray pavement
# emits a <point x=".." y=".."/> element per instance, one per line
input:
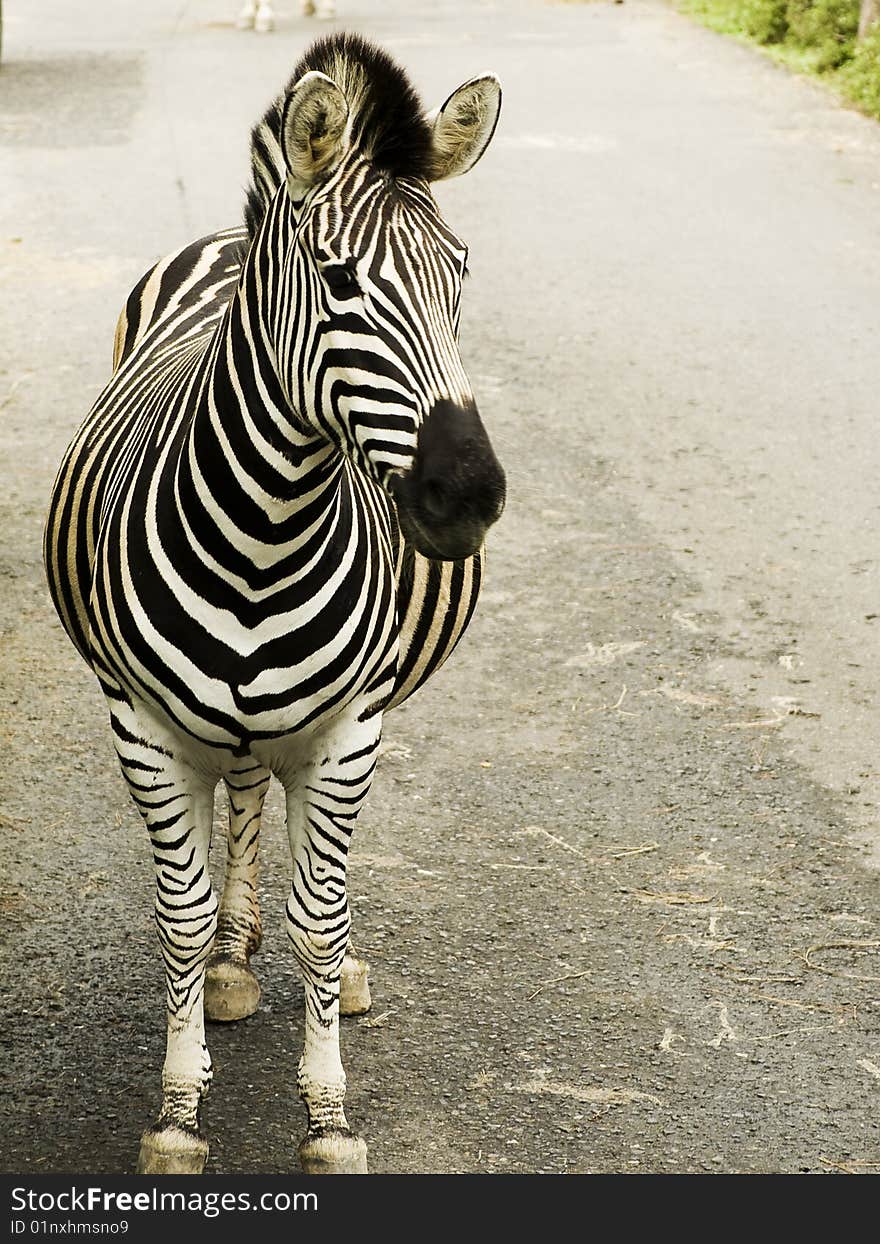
<point x="617" y="877"/>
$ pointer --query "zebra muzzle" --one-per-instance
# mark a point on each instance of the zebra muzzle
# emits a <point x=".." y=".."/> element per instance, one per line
<point x="456" y="487"/>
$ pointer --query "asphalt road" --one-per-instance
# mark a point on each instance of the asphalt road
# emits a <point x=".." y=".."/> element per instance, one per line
<point x="617" y="878"/>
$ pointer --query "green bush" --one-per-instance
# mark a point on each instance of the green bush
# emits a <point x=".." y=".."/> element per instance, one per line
<point x="765" y="20"/>
<point x="826" y="27"/>
<point x="861" y="77"/>
<point x="811" y="36"/>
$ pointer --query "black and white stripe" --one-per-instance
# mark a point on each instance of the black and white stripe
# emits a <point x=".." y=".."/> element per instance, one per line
<point x="269" y="530"/>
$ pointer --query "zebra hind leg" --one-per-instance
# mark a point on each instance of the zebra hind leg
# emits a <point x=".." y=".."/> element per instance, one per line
<point x="354" y="988"/>
<point x="231" y="989"/>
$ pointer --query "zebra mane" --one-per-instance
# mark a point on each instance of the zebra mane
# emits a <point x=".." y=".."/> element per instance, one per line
<point x="388" y="122"/>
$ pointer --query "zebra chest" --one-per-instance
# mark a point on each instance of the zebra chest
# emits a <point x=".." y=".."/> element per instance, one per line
<point x="226" y="665"/>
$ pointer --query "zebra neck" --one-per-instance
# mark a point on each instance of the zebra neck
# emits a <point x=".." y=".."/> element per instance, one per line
<point x="250" y="484"/>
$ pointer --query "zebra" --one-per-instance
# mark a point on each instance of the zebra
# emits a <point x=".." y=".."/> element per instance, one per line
<point x="269" y="531"/>
<point x="256" y="15"/>
<point x="259" y="15"/>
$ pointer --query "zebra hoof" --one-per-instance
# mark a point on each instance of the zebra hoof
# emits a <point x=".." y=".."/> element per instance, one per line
<point x="264" y="24"/>
<point x="333" y="1153"/>
<point x="167" y="1149"/>
<point x="231" y="991"/>
<point x="354" y="990"/>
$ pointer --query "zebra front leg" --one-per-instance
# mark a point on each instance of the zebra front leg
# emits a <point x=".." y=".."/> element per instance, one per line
<point x="322" y="807"/>
<point x="231" y="989"/>
<point x="176" y="805"/>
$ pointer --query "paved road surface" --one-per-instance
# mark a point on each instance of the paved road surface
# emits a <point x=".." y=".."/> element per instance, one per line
<point x="617" y="878"/>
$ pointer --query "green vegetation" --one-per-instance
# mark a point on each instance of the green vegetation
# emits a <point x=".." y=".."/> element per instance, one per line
<point x="812" y="36"/>
<point x="859" y="78"/>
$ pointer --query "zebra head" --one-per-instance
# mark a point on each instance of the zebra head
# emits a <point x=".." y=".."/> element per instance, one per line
<point x="371" y="278"/>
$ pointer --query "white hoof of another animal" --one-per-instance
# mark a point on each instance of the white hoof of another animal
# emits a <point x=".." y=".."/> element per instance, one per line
<point x="354" y="989"/>
<point x="264" y="24"/>
<point x="335" y="1153"/>
<point x="167" y="1149"/>
<point x="231" y="991"/>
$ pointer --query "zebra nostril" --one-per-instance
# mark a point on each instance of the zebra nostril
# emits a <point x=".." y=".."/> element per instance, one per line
<point x="435" y="500"/>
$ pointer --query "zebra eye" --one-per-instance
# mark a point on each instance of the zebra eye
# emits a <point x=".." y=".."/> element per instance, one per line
<point x="342" y="280"/>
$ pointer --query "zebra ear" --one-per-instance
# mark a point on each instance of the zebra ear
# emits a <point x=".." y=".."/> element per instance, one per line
<point x="312" y="127"/>
<point x="464" y="125"/>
